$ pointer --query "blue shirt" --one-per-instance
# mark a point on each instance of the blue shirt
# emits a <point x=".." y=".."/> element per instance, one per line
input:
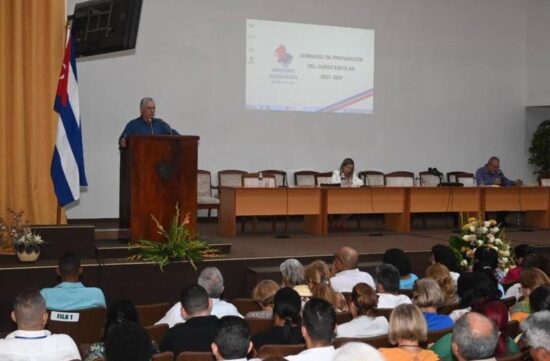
<point x="140" y="126"/>
<point x="408" y="283"/>
<point x="73" y="296"/>
<point x="486" y="178"/>
<point x="437" y="322"/>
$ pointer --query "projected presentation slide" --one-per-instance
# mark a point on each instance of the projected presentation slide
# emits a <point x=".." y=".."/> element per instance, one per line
<point x="310" y="68"/>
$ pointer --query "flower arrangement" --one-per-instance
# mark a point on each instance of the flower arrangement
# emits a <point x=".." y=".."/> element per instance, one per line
<point x="29" y="242"/>
<point x="477" y="233"/>
<point x="11" y="230"/>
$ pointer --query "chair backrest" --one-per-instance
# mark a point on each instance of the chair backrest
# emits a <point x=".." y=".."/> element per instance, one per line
<point x="149" y="314"/>
<point x="280" y="350"/>
<point x="204" y="183"/>
<point x="164" y="356"/>
<point x="399" y="179"/>
<point x="406" y="292"/>
<point x="376" y="342"/>
<point x="447" y="309"/>
<point x="245" y="305"/>
<point x="195" y="356"/>
<point x="429" y="179"/>
<point x="84" y="326"/>
<point x="252" y="180"/>
<point x="436" y="335"/>
<point x="156" y="332"/>
<point x="230" y="177"/>
<point x="305" y="177"/>
<point x="322" y="178"/>
<point x="544" y="180"/>
<point x="280" y="176"/>
<point x="343" y="317"/>
<point x="451" y="176"/>
<point x="466" y="181"/>
<point x="372" y="177"/>
<point x="258" y="324"/>
<point x="386" y="312"/>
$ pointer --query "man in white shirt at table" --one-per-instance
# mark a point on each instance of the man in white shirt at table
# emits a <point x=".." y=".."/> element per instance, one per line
<point x="346" y="273"/>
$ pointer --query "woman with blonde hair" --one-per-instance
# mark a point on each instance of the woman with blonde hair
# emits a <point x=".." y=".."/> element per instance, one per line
<point x="263" y="295"/>
<point x="317" y="276"/>
<point x="440" y="273"/>
<point x="407" y="329"/>
<point x="530" y="279"/>
<point x="427" y="295"/>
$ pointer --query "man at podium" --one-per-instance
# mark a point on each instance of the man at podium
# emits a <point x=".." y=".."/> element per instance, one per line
<point x="146" y="123"/>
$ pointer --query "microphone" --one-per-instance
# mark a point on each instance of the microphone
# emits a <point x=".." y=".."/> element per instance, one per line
<point x="168" y="125"/>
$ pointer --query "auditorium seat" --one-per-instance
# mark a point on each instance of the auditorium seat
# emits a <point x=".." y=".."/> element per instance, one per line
<point x="343" y="317"/>
<point x="195" y="356"/>
<point x="163" y="356"/>
<point x="467" y="179"/>
<point x="245" y="305"/>
<point x="205" y="198"/>
<point x="230" y="177"/>
<point x="399" y="179"/>
<point x="323" y="178"/>
<point x="451" y="176"/>
<point x="84" y="326"/>
<point x="280" y="350"/>
<point x="149" y="314"/>
<point x="386" y="312"/>
<point x="258" y="324"/>
<point x="544" y="180"/>
<point x="156" y="332"/>
<point x="406" y="292"/>
<point x="280" y="176"/>
<point x="252" y="180"/>
<point x="376" y="342"/>
<point x="305" y="177"/>
<point x="372" y="177"/>
<point x="447" y="309"/>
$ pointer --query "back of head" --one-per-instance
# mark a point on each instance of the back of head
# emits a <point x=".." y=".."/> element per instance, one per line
<point x="357" y="351"/>
<point x="440" y="273"/>
<point x="194" y="300"/>
<point x="128" y="341"/>
<point x="123" y="310"/>
<point x="348" y="257"/>
<point x="364" y="299"/>
<point x="317" y="276"/>
<point x="532" y="278"/>
<point x="536" y="328"/>
<point x="539" y="299"/>
<point x="287" y="305"/>
<point x="497" y="312"/>
<point x="69" y="265"/>
<point x="445" y="255"/>
<point x="407" y="323"/>
<point x="477" y="287"/>
<point x="264" y="292"/>
<point x="538" y="260"/>
<point x="211" y="280"/>
<point x="398" y="258"/>
<point x="523" y="250"/>
<point x="388" y="277"/>
<point x="485" y="257"/>
<point x="232" y="337"/>
<point x="319" y="319"/>
<point x="475" y="337"/>
<point x="292" y="272"/>
<point x="29" y="309"/>
<point x="427" y="293"/>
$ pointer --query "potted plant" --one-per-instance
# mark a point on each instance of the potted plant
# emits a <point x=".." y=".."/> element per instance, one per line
<point x="11" y="229"/>
<point x="27" y="247"/>
<point x="539" y="151"/>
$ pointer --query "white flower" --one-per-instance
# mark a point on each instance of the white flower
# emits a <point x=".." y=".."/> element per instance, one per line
<point x="507" y="253"/>
<point x="504" y="259"/>
<point x="498" y="241"/>
<point x="480" y="243"/>
<point x="466" y="238"/>
<point x="472" y="229"/>
<point x="464" y="262"/>
<point x="484" y="230"/>
<point x="486" y="224"/>
<point x="495" y="230"/>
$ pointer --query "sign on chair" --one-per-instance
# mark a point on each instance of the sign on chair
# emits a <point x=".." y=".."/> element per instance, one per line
<point x="65" y="316"/>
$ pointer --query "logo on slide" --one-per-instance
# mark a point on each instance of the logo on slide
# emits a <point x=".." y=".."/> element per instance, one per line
<point x="283" y="57"/>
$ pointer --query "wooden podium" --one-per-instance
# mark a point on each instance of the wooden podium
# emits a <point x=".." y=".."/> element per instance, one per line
<point x="156" y="173"/>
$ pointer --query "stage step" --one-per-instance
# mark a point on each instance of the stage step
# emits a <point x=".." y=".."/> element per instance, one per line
<point x="118" y="249"/>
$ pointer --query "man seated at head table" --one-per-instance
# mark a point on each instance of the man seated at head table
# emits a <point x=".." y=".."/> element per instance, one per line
<point x="490" y="174"/>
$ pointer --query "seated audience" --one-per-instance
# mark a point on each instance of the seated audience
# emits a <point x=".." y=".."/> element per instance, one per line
<point x="475" y="337"/>
<point x="232" y="339"/>
<point x="292" y="273"/>
<point x="127" y="341"/>
<point x="364" y="324"/>
<point x="286" y="321"/>
<point x="345" y="272"/>
<point x="445" y="255"/>
<point x="539" y="299"/>
<point x="536" y="329"/>
<point x="486" y="260"/>
<point x="263" y="295"/>
<point x="211" y="280"/>
<point x="197" y="333"/>
<point x="317" y="276"/>
<point x="474" y="288"/>
<point x="31" y="341"/>
<point x="387" y="285"/>
<point x="318" y="328"/>
<point x="520" y="252"/>
<point x="533" y="260"/>
<point x="396" y="257"/>
<point x="70" y="294"/>
<point x="530" y="279"/>
<point x="357" y="351"/>
<point x="407" y="329"/>
<point x="441" y="275"/>
<point x="428" y="297"/>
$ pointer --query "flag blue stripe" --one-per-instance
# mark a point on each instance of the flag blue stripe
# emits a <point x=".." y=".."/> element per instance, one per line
<point x="60" y="185"/>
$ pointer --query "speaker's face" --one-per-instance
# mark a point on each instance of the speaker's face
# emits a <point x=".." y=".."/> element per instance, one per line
<point x="148" y="110"/>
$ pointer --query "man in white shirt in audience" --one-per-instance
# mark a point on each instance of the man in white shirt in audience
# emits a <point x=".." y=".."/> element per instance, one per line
<point x="346" y="273"/>
<point x="387" y="285"/>
<point x="31" y="341"/>
<point x="211" y="280"/>
<point x="318" y="326"/>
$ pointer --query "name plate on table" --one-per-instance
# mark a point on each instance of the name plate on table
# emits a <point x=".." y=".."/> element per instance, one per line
<point x="65" y="316"/>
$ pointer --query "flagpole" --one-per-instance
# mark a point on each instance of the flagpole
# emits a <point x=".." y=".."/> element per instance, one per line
<point x="58" y="214"/>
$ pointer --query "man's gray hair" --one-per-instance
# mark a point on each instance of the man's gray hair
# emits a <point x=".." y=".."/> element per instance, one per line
<point x="473" y="344"/>
<point x="292" y="272"/>
<point x="143" y="102"/>
<point x="212" y="280"/>
<point x="537" y="329"/>
<point x="29" y="307"/>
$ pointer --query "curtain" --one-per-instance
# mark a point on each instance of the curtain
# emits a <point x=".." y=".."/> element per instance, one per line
<point x="32" y="41"/>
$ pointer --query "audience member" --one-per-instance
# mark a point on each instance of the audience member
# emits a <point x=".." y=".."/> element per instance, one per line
<point x="211" y="280"/>
<point x="407" y="329"/>
<point x="197" y="333"/>
<point x="530" y="279"/>
<point x="70" y="294"/>
<point x="232" y="339"/>
<point x="292" y="273"/>
<point x="364" y="324"/>
<point x="533" y="260"/>
<point x="539" y="299"/>
<point x="428" y="297"/>
<point x="318" y="329"/>
<point x="474" y="288"/>
<point x="345" y="271"/>
<point x="263" y="295"/>
<point x="486" y="260"/>
<point x="441" y="275"/>
<point x="286" y="321"/>
<point x="446" y="256"/>
<point x="317" y="276"/>
<point x="475" y="337"/>
<point x="398" y="258"/>
<point x="31" y="341"/>
<point x="387" y="285"/>
<point x="520" y="252"/>
<point x="357" y="351"/>
<point x="127" y="341"/>
<point x="537" y="332"/>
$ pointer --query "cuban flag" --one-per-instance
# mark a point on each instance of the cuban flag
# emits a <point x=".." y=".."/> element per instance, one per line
<point x="67" y="167"/>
